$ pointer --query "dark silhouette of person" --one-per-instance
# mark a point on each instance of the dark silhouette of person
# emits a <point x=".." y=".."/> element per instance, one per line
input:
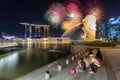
<point x="98" y="54"/>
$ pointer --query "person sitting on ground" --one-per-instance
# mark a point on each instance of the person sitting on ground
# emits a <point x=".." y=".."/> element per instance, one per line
<point x="86" y="60"/>
<point x="94" y="64"/>
<point x="86" y="53"/>
<point x="81" y="65"/>
<point x="98" y="54"/>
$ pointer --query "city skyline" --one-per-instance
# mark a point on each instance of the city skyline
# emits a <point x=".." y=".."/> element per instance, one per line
<point x="32" y="11"/>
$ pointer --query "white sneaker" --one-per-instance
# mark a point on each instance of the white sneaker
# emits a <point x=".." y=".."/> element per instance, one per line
<point x="91" y="72"/>
<point x="81" y="70"/>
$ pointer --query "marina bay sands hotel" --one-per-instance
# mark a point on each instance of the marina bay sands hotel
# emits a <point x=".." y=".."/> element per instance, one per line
<point x="29" y="30"/>
<point x="29" y="33"/>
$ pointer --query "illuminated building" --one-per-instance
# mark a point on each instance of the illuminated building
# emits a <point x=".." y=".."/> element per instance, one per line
<point x="28" y="29"/>
<point x="37" y="30"/>
<point x="46" y="31"/>
<point x="113" y="28"/>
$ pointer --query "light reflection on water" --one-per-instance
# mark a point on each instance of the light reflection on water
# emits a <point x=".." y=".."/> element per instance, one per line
<point x="57" y="46"/>
<point x="8" y="62"/>
<point x="24" y="61"/>
<point x="30" y="45"/>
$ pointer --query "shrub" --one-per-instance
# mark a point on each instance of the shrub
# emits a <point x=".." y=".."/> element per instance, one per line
<point x="100" y="43"/>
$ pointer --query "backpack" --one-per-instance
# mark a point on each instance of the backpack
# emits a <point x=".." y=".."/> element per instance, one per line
<point x="73" y="71"/>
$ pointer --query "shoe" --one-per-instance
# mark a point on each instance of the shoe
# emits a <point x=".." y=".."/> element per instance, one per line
<point x="91" y="72"/>
<point x="81" y="71"/>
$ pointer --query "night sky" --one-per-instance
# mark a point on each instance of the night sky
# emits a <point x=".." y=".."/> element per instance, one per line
<point x="14" y="11"/>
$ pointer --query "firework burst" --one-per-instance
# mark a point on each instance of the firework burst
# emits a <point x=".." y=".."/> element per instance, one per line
<point x="74" y="14"/>
<point x="94" y="8"/>
<point x="74" y="7"/>
<point x="56" y="13"/>
<point x="97" y="12"/>
<point x="66" y="25"/>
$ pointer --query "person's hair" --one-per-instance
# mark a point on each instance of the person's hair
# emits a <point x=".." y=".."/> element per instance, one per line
<point x="81" y="59"/>
<point x="87" y="50"/>
<point x="86" y="57"/>
<point x="90" y="49"/>
<point x="98" y="48"/>
<point x="90" y="53"/>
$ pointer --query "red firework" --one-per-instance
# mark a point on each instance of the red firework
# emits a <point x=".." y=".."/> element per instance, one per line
<point x="74" y="7"/>
<point x="56" y="13"/>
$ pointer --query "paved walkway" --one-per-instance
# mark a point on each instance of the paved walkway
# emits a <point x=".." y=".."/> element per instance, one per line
<point x="110" y="71"/>
<point x="112" y="63"/>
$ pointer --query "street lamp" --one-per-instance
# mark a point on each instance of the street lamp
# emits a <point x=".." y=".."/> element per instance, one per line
<point x="83" y="36"/>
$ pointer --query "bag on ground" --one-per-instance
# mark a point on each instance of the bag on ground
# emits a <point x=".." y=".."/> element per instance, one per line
<point x="73" y="71"/>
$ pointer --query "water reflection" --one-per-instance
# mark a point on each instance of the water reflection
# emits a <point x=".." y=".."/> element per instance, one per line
<point x="29" y="45"/>
<point x="57" y="46"/>
<point x="8" y="62"/>
<point x="34" y="55"/>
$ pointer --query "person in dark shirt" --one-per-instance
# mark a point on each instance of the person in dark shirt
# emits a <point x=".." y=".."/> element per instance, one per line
<point x="98" y="54"/>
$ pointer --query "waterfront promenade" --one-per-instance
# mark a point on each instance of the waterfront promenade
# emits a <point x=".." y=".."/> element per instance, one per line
<point x="110" y="71"/>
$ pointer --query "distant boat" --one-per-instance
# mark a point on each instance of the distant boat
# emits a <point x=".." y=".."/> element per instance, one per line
<point x="56" y="51"/>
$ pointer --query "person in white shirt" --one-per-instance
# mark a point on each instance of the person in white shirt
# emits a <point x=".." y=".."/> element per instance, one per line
<point x="94" y="64"/>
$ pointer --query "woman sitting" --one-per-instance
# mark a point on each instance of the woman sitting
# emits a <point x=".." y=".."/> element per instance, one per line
<point x="94" y="64"/>
<point x="80" y="65"/>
